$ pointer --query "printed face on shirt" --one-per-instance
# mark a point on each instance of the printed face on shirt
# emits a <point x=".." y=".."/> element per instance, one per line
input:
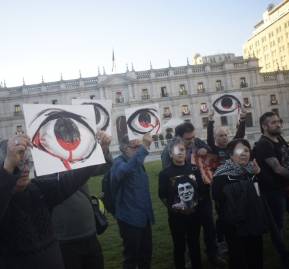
<point x="179" y="154"/>
<point x="241" y="154"/>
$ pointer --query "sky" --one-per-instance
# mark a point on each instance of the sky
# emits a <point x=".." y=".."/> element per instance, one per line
<point x="49" y="37"/>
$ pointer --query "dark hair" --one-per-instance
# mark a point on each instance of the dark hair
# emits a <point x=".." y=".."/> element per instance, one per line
<point x="264" y="118"/>
<point x="232" y="144"/>
<point x="183" y="128"/>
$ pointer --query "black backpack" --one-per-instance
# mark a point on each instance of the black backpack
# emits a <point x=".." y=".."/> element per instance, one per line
<point x="109" y="191"/>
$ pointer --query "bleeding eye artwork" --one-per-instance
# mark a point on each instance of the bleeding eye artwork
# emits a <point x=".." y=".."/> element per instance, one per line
<point x="142" y="120"/>
<point x="102" y="110"/>
<point x="227" y="104"/>
<point x="63" y="137"/>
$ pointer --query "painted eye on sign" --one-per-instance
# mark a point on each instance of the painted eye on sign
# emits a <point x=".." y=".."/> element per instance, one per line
<point x="102" y="117"/>
<point x="143" y="121"/>
<point x="61" y="133"/>
<point x="63" y="137"/>
<point x="226" y="104"/>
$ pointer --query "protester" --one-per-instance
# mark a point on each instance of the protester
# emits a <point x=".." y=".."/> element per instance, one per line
<point x="240" y="207"/>
<point x="74" y="223"/>
<point x="180" y="189"/>
<point x="218" y="139"/>
<point x="133" y="209"/>
<point x="27" y="239"/>
<point x="195" y="146"/>
<point x="271" y="152"/>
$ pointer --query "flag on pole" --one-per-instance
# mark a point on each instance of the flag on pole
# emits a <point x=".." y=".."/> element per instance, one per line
<point x="113" y="62"/>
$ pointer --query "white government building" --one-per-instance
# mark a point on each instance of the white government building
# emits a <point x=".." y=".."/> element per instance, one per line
<point x="183" y="93"/>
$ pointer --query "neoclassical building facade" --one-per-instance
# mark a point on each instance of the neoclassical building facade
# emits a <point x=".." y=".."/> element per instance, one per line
<point x="183" y="93"/>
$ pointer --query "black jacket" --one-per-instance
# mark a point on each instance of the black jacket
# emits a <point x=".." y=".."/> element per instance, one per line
<point x="238" y="204"/>
<point x="27" y="239"/>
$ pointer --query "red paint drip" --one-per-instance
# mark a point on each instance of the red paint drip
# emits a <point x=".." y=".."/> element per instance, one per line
<point x="67" y="145"/>
<point x="36" y="141"/>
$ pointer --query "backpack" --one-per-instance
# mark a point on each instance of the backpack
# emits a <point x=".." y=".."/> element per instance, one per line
<point x="109" y="191"/>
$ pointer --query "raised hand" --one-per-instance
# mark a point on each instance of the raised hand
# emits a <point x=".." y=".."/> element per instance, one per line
<point x="147" y="140"/>
<point x="104" y="140"/>
<point x="16" y="148"/>
<point x="211" y="114"/>
<point x="256" y="167"/>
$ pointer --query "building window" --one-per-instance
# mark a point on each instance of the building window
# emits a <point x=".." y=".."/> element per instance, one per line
<point x="164" y="92"/>
<point x="145" y="94"/>
<point x="185" y="110"/>
<point x="119" y="98"/>
<point x="219" y="86"/>
<point x="224" y="121"/>
<point x="167" y="112"/>
<point x="276" y="111"/>
<point x="19" y="130"/>
<point x="205" y="121"/>
<point x="243" y="83"/>
<point x="249" y="119"/>
<point x="183" y="90"/>
<point x="204" y="108"/>
<point x="200" y="87"/>
<point x="273" y="99"/>
<point x="17" y="109"/>
<point x="91" y="97"/>
<point x="246" y="102"/>
<point x="54" y="102"/>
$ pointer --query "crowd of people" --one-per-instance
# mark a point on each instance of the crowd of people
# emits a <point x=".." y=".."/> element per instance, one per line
<point x="48" y="222"/>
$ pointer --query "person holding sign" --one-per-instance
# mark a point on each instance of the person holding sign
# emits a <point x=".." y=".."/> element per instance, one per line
<point x="133" y="207"/>
<point x="27" y="238"/>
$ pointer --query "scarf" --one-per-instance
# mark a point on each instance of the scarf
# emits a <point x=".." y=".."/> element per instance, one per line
<point x="229" y="168"/>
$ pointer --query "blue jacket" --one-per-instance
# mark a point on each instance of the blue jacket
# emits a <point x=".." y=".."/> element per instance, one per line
<point x="133" y="201"/>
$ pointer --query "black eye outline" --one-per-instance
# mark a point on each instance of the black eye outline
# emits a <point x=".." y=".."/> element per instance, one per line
<point x="96" y="107"/>
<point x="150" y="112"/>
<point x="238" y="105"/>
<point x="56" y="114"/>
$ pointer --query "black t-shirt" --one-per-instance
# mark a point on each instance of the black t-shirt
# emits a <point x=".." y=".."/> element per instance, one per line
<point x="182" y="188"/>
<point x="266" y="148"/>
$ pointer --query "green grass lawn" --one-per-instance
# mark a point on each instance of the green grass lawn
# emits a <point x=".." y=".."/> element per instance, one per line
<point x="162" y="243"/>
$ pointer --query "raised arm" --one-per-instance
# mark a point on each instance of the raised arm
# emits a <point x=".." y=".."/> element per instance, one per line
<point x="123" y="168"/>
<point x="210" y="132"/>
<point x="12" y="152"/>
<point x="240" y="133"/>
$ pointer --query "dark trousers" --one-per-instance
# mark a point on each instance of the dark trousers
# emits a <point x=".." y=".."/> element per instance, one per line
<point x="137" y="245"/>
<point x="47" y="258"/>
<point x="244" y="252"/>
<point x="207" y="222"/>
<point x="276" y="201"/>
<point x="82" y="254"/>
<point x="185" y="230"/>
